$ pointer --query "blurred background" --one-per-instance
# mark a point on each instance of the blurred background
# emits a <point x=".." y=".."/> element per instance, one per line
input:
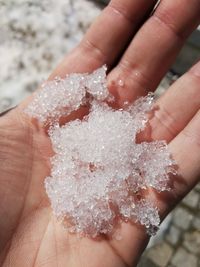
<point x="34" y="37"/>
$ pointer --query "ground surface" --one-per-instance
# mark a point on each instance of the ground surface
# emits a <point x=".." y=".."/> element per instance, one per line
<point x="34" y="36"/>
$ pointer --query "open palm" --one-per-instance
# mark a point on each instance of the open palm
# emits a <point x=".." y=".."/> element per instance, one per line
<point x="29" y="234"/>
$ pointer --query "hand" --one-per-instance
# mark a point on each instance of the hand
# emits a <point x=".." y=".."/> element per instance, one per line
<point x="29" y="234"/>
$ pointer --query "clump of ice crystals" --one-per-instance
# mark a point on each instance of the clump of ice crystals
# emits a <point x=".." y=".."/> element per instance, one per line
<point x="61" y="96"/>
<point x="99" y="172"/>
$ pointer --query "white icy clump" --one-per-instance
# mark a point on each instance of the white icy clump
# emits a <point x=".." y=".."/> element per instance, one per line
<point x="60" y="97"/>
<point x="99" y="172"/>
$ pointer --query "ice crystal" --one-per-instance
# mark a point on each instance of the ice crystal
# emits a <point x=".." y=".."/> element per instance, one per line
<point x="99" y="169"/>
<point x="61" y="96"/>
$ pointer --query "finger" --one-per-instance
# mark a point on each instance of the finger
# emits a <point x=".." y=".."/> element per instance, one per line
<point x="177" y="106"/>
<point x="154" y="48"/>
<point x="185" y="149"/>
<point x="107" y="37"/>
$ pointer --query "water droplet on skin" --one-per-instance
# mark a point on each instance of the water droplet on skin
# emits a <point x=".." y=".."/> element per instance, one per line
<point x="121" y="83"/>
<point x="136" y="73"/>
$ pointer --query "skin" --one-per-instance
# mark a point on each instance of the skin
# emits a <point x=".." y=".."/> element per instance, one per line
<point x="139" y="50"/>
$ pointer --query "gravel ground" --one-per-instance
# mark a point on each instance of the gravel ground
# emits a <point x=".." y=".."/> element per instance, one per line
<point x="34" y="37"/>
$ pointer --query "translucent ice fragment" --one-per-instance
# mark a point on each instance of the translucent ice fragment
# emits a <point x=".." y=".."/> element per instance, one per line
<point x="57" y="97"/>
<point x="147" y="214"/>
<point x="156" y="165"/>
<point x="96" y="84"/>
<point x="61" y="96"/>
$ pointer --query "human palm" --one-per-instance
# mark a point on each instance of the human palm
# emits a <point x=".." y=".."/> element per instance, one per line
<point x="29" y="233"/>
